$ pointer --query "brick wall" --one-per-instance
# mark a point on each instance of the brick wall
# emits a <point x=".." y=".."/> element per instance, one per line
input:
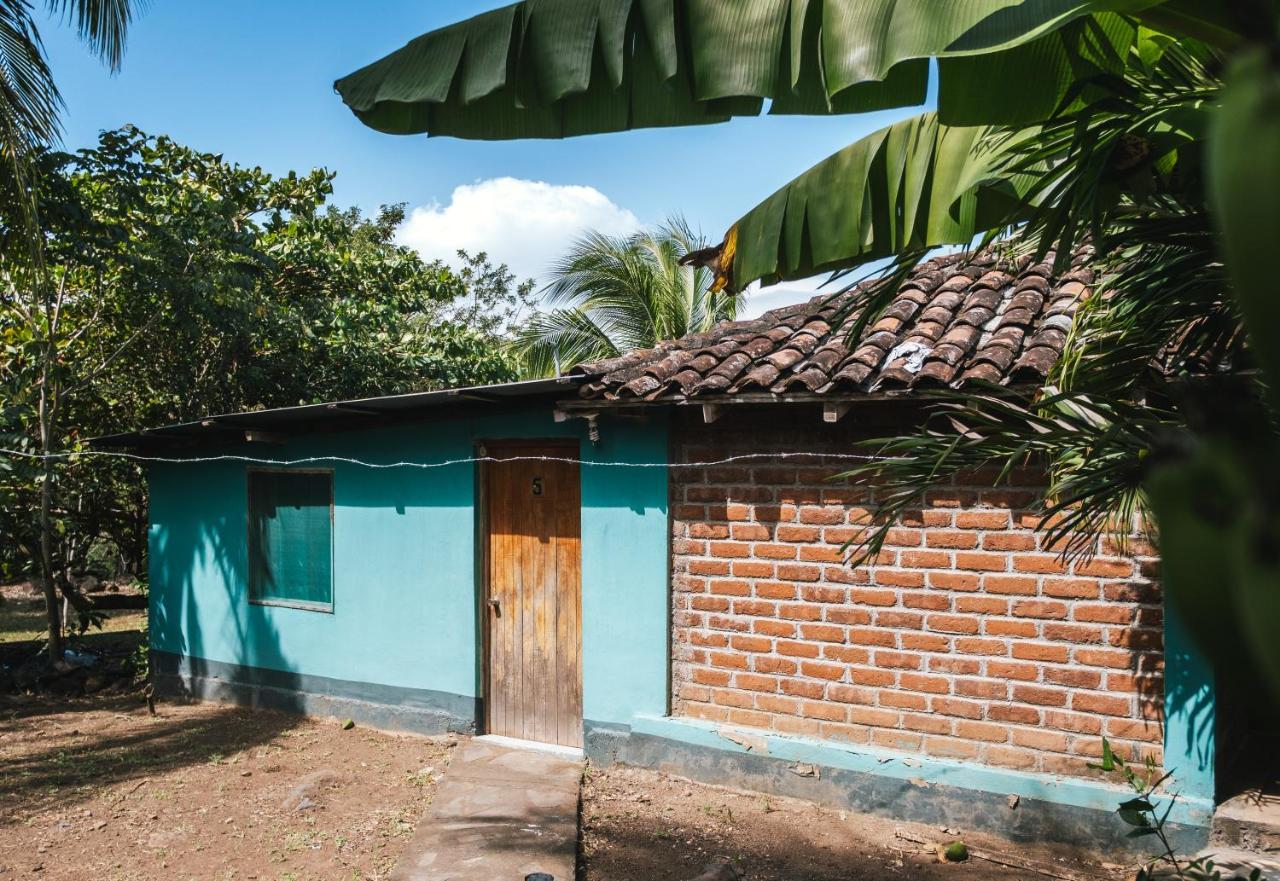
<point x="967" y="638"/>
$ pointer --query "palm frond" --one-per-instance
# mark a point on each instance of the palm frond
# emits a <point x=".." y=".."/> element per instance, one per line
<point x="610" y="294"/>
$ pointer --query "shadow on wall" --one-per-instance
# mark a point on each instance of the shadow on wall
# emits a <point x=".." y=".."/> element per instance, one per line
<point x="198" y="545"/>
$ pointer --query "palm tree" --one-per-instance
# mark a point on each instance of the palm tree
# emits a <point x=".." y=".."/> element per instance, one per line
<point x="29" y="100"/>
<point x="1146" y="127"/>
<point x="610" y="294"/>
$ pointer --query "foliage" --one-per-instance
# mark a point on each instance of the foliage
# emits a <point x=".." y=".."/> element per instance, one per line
<point x="181" y="285"/>
<point x="1144" y="816"/>
<point x="555" y="68"/>
<point x="611" y="294"/>
<point x="29" y="98"/>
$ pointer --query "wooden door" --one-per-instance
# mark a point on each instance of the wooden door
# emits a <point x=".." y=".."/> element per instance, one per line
<point x="533" y="595"/>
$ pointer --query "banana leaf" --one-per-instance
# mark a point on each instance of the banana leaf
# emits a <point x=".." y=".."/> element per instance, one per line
<point x="556" y="68"/>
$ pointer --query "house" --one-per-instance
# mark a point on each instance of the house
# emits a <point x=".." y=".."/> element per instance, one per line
<point x="643" y="558"/>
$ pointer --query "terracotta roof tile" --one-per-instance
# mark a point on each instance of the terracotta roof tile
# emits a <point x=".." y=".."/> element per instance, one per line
<point x="956" y="319"/>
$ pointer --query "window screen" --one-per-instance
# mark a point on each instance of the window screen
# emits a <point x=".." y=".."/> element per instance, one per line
<point x="291" y="538"/>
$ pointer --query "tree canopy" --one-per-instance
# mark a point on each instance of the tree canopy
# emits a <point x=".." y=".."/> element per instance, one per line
<point x="172" y="284"/>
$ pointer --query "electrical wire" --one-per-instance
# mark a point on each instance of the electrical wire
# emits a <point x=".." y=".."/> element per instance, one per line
<point x="74" y="456"/>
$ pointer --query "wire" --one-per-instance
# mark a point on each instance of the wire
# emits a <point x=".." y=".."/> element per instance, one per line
<point x="72" y="457"/>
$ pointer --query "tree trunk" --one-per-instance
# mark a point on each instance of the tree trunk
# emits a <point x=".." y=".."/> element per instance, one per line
<point x="46" y="550"/>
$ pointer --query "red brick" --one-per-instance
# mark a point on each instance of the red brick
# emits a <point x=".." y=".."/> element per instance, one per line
<point x="1009" y="584"/>
<point x="1075" y="677"/>
<point x="818" y="670"/>
<point x="1100" y="704"/>
<point x="824" y="711"/>
<point x="1016" y="713"/>
<point x="800" y="611"/>
<point x="847" y="615"/>
<point x="1040" y="609"/>
<point x="982" y="562"/>
<point x="983" y="731"/>
<point x="981" y="646"/>
<point x="708" y="530"/>
<point x="982" y="605"/>
<point x="873" y="716"/>
<point x="873" y="597"/>
<point x="942" y="538"/>
<point x="775" y="552"/>
<point x="898" y="578"/>
<point x="729" y="587"/>
<point x="755" y="682"/>
<point x="895" y="619"/>
<point x="982" y="519"/>
<point x="1101" y="567"/>
<point x="1041" y="651"/>
<point x="933" y="601"/>
<point x="1083" y="633"/>
<point x="953" y="623"/>
<point x="903" y="700"/>
<point x="927" y="724"/>
<point x="704" y="676"/>
<point x="1103" y="613"/>
<point x="1009" y="627"/>
<point x="1013" y="670"/>
<point x="1039" y="739"/>
<point x="797" y="572"/>
<point x="1043" y="697"/>
<point x="772" y="703"/>
<point x="850" y="694"/>
<point x="899" y="660"/>
<point x="924" y="642"/>
<point x="871" y="676"/>
<point x="925" y="683"/>
<point x="1041" y="563"/>
<point x="822" y="632"/>
<point x="822" y="594"/>
<point x="801" y="688"/>
<point x="1008" y="541"/>
<point x="829" y="515"/>
<point x="845" y="654"/>
<point x="751" y="644"/>
<point x="786" y="532"/>
<point x="925" y="559"/>
<point x="797" y="649"/>
<point x="769" y="627"/>
<point x="771" y="664"/>
<point x="954" y="581"/>
<point x="954" y="707"/>
<point x="709" y="567"/>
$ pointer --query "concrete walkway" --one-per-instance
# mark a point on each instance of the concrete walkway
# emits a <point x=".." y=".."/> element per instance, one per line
<point x="499" y="814"/>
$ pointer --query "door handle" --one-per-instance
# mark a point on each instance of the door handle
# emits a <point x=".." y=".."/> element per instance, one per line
<point x="496" y="606"/>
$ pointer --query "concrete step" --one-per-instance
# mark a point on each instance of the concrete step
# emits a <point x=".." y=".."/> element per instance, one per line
<point x="499" y="814"/>
<point x="1248" y="822"/>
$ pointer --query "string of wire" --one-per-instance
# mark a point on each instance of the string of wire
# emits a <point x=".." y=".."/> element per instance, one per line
<point x="73" y="456"/>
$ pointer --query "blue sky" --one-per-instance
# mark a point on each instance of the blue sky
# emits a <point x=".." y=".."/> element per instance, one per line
<point x="253" y="80"/>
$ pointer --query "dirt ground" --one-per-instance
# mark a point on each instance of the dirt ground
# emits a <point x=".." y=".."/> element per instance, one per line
<point x="644" y="826"/>
<point x="97" y="788"/>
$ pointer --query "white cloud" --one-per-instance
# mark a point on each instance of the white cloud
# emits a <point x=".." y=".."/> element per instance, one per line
<point x="526" y="224"/>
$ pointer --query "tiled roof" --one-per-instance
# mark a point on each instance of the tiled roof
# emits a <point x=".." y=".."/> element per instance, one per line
<point x="956" y="319"/>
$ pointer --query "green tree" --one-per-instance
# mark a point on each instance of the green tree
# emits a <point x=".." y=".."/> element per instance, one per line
<point x="1146" y="127"/>
<point x="182" y="285"/>
<point x="610" y="294"/>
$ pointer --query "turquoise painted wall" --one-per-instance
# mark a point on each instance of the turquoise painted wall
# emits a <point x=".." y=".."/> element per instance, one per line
<point x="404" y="603"/>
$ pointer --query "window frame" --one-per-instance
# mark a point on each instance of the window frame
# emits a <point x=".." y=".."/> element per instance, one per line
<point x="302" y="605"/>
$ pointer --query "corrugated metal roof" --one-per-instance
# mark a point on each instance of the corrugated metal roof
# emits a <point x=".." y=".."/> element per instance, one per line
<point x="336" y="414"/>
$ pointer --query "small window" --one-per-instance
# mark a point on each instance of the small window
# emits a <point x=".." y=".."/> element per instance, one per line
<point x="291" y="538"/>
